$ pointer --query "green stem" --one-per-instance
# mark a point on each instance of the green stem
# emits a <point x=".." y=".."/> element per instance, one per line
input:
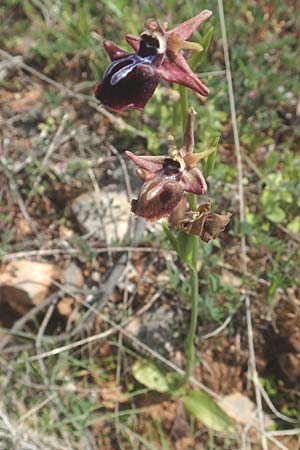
<point x="189" y="346"/>
<point x="193" y="201"/>
<point x="184" y="101"/>
<point x="194" y="240"/>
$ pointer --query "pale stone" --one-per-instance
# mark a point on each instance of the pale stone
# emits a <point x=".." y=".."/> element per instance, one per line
<point x="159" y="328"/>
<point x="65" y="306"/>
<point x="231" y="279"/>
<point x="104" y="214"/>
<point x="243" y="410"/>
<point x="65" y="232"/>
<point x="25" y="283"/>
<point x="71" y="275"/>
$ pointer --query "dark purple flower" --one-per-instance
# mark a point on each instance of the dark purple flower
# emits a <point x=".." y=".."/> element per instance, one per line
<point x="166" y="178"/>
<point x="131" y="78"/>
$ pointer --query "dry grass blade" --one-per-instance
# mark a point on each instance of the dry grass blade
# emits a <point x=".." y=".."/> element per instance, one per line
<point x="252" y="361"/>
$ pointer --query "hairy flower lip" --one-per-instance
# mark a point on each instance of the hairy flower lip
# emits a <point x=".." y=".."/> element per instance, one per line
<point x="129" y="81"/>
<point x="124" y="66"/>
<point x="157" y="198"/>
<point x="131" y="78"/>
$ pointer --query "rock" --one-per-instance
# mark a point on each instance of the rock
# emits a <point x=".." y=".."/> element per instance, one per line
<point x="65" y="232"/>
<point x="24" y="284"/>
<point x="65" y="306"/>
<point x="243" y="410"/>
<point x="22" y="228"/>
<point x="96" y="277"/>
<point x="231" y="279"/>
<point x="105" y="214"/>
<point x="159" y="328"/>
<point x="72" y="276"/>
<point x="7" y="68"/>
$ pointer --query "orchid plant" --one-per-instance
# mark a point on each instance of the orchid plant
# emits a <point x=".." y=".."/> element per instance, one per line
<point x="172" y="183"/>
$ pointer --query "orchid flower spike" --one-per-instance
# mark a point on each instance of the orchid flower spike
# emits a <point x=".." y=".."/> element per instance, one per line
<point x="131" y="78"/>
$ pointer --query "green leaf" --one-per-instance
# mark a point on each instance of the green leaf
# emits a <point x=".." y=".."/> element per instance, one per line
<point x="171" y="236"/>
<point x="151" y="376"/>
<point x="286" y="196"/>
<point x="186" y="244"/>
<point x="211" y="159"/>
<point x="204" y="407"/>
<point x="245" y="228"/>
<point x="266" y="198"/>
<point x="274" y="180"/>
<point x="154" y="378"/>
<point x="276" y="214"/>
<point x="206" y="40"/>
<point x="294" y="225"/>
<point x="113" y="8"/>
<point x="197" y="58"/>
<point x="276" y="283"/>
<point x="272" y="160"/>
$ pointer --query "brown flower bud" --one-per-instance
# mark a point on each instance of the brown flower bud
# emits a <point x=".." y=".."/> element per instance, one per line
<point x="203" y="223"/>
<point x="213" y="225"/>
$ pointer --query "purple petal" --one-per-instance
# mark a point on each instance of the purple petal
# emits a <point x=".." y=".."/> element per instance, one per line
<point x="187" y="28"/>
<point x="157" y="198"/>
<point x="150" y="163"/>
<point x="193" y="181"/>
<point x="180" y="72"/>
<point x="134" y="41"/>
<point x="144" y="175"/>
<point x="113" y="51"/>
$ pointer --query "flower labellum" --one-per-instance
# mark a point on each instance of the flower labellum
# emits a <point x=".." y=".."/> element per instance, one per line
<point x="159" y="196"/>
<point x="131" y="78"/>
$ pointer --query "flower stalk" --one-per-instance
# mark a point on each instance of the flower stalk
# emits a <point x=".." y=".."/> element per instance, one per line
<point x="190" y="345"/>
<point x="194" y="244"/>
